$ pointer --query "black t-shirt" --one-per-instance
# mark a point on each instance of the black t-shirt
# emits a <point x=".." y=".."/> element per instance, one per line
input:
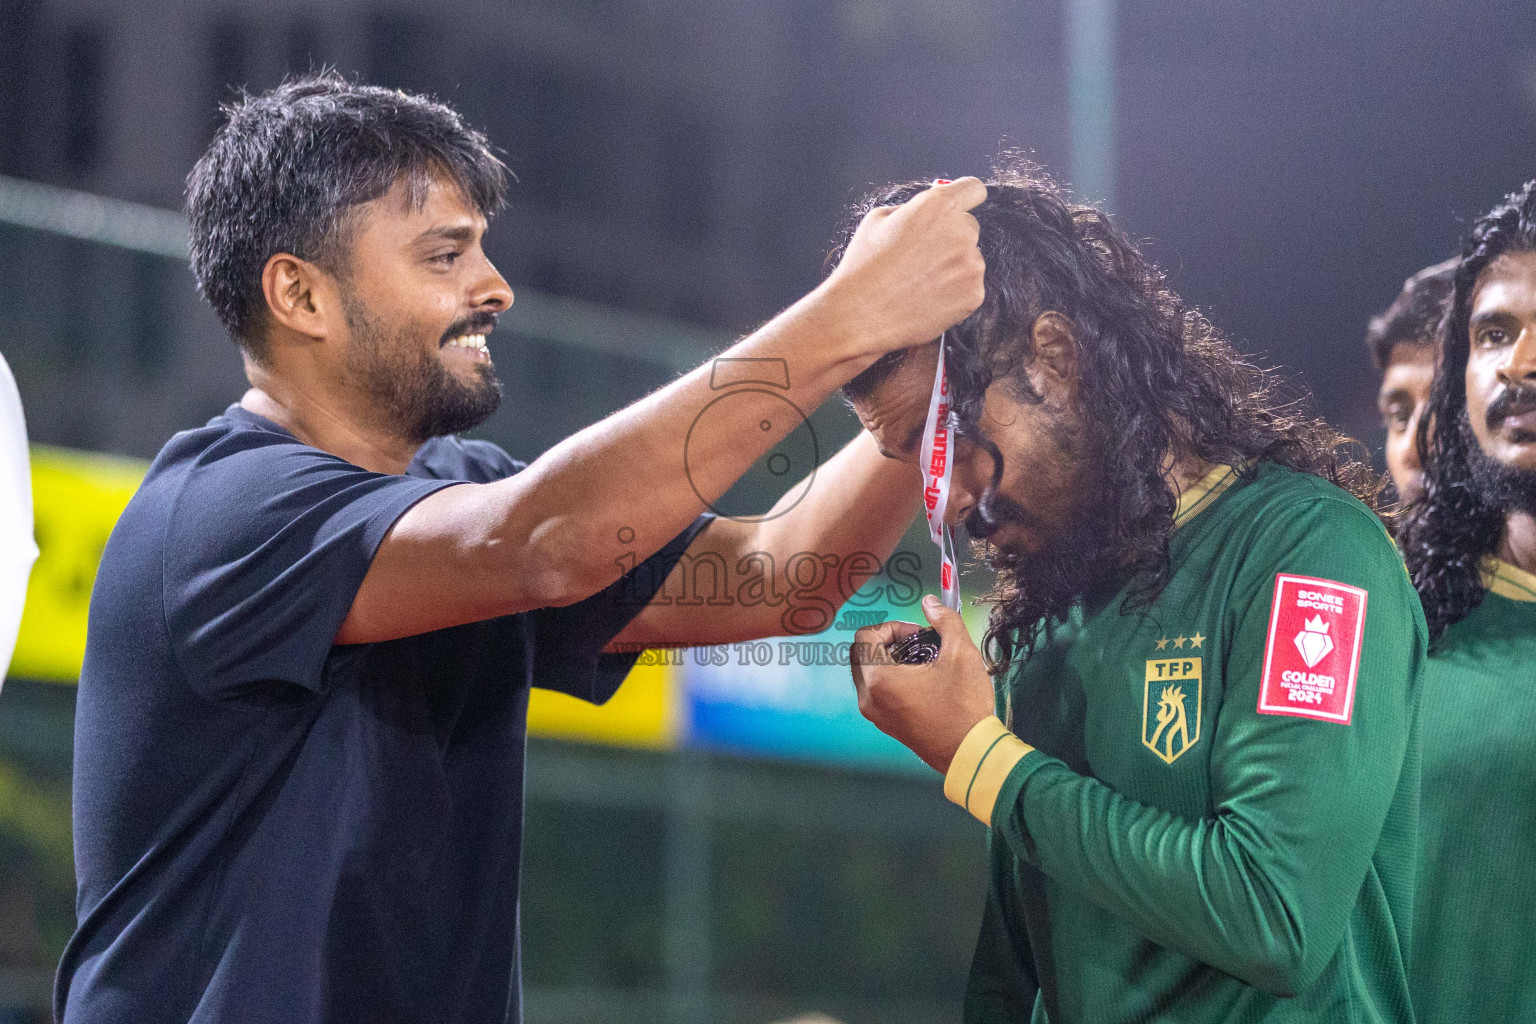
<point x="272" y="828"/>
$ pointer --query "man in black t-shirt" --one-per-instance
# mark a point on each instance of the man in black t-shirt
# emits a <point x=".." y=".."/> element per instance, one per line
<point x="300" y="730"/>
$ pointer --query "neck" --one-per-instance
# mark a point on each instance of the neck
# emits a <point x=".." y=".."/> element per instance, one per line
<point x="323" y="420"/>
<point x="1185" y="473"/>
<point x="1518" y="547"/>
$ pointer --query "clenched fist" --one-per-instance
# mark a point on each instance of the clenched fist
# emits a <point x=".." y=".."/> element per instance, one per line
<point x="913" y="271"/>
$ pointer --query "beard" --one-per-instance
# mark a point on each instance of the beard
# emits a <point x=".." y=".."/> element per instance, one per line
<point x="1044" y="584"/>
<point x="410" y="389"/>
<point x="1070" y="561"/>
<point x="1507" y="488"/>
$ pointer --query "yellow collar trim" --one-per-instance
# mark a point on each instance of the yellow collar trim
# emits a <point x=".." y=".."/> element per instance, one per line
<point x="1211" y="486"/>
<point x="1508" y="581"/>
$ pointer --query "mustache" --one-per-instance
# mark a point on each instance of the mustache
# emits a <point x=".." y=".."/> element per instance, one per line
<point x="994" y="511"/>
<point x="482" y="322"/>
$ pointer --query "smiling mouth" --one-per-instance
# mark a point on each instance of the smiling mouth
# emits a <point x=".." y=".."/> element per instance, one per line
<point x="475" y="343"/>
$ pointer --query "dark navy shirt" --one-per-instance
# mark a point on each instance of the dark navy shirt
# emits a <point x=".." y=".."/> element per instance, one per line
<point x="272" y="828"/>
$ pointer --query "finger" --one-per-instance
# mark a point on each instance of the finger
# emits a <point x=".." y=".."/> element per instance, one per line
<point x="878" y="214"/>
<point x="885" y="632"/>
<point x="973" y="228"/>
<point x="965" y="193"/>
<point x="944" y="619"/>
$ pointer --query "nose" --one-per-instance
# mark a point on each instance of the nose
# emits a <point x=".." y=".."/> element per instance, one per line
<point x="1520" y="367"/>
<point x="963" y="496"/>
<point x="1410" y="455"/>
<point x="491" y="293"/>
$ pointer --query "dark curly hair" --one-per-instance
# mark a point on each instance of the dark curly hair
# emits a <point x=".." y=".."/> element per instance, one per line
<point x="1156" y="378"/>
<point x="1457" y="524"/>
<point x="1414" y="316"/>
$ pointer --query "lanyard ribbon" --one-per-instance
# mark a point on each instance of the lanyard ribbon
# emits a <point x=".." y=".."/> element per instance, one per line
<point x="937" y="457"/>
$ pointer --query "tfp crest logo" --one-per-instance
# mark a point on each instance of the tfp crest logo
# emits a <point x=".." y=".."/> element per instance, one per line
<point x="1170" y="706"/>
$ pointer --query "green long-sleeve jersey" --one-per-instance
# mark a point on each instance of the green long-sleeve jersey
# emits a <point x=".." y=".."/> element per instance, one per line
<point x="1206" y="808"/>
<point x="1474" y="938"/>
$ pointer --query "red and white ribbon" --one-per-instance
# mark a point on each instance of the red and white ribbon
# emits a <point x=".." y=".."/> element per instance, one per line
<point x="937" y="457"/>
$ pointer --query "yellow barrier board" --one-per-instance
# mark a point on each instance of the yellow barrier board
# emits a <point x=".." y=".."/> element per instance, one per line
<point x="76" y="500"/>
<point x="646" y="712"/>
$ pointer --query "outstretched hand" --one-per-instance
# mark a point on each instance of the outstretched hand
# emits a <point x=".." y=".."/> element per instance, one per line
<point x="931" y="707"/>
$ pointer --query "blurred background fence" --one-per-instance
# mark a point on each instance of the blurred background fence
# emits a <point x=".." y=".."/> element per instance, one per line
<point x="725" y="843"/>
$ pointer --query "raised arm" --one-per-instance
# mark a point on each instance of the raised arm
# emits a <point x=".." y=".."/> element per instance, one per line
<point x="559" y="531"/>
<point x="821" y="549"/>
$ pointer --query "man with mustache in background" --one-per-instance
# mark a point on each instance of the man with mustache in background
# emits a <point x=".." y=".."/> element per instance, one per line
<point x="1470" y="545"/>
<point x="1402" y="345"/>
<point x="1191" y="737"/>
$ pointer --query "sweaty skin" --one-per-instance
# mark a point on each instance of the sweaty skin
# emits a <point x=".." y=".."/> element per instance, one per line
<point x="1502" y="356"/>
<point x="1403" y="396"/>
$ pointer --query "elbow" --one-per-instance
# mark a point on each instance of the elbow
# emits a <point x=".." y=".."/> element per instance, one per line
<point x="556" y="586"/>
<point x="1283" y="967"/>
<point x="521" y="557"/>
<point x="554" y="576"/>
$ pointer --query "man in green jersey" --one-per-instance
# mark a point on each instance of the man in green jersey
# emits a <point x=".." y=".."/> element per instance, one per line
<point x="1471" y="547"/>
<point x="1198" y="764"/>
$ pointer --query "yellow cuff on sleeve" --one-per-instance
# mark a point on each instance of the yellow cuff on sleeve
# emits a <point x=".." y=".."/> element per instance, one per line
<point x="981" y="766"/>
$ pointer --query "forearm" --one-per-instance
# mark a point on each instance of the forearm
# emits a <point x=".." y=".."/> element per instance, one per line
<point x="625" y="487"/>
<point x="860" y="503"/>
<point x="1262" y="903"/>
<point x="570" y="524"/>
<point x="809" y="558"/>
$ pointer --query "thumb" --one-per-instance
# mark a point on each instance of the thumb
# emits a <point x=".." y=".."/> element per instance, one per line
<point x="944" y="619"/>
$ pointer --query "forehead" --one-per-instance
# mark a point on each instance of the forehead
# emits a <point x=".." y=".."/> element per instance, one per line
<point x="898" y="407"/>
<point x="1508" y="284"/>
<point x="410" y="208"/>
<point x="1407" y="357"/>
<point x="1412" y="369"/>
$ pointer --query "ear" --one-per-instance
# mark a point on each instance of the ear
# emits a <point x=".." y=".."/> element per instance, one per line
<point x="1055" y="344"/>
<point x="300" y="296"/>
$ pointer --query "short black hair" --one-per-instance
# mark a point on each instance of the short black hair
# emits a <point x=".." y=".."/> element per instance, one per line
<point x="287" y="166"/>
<point x="1415" y="315"/>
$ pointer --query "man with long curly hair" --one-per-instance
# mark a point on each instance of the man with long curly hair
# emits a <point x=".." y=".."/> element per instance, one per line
<point x="1197" y="759"/>
<point x="1471" y="547"/>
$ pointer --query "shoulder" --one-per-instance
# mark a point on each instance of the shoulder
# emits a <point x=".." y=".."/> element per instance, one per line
<point x="1498" y="633"/>
<point x="238" y="483"/>
<point x="470" y="459"/>
<point x="1305" y="527"/>
<point x="1281" y="504"/>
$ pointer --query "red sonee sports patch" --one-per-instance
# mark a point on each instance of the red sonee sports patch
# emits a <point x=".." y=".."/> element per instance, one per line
<point x="1313" y="655"/>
